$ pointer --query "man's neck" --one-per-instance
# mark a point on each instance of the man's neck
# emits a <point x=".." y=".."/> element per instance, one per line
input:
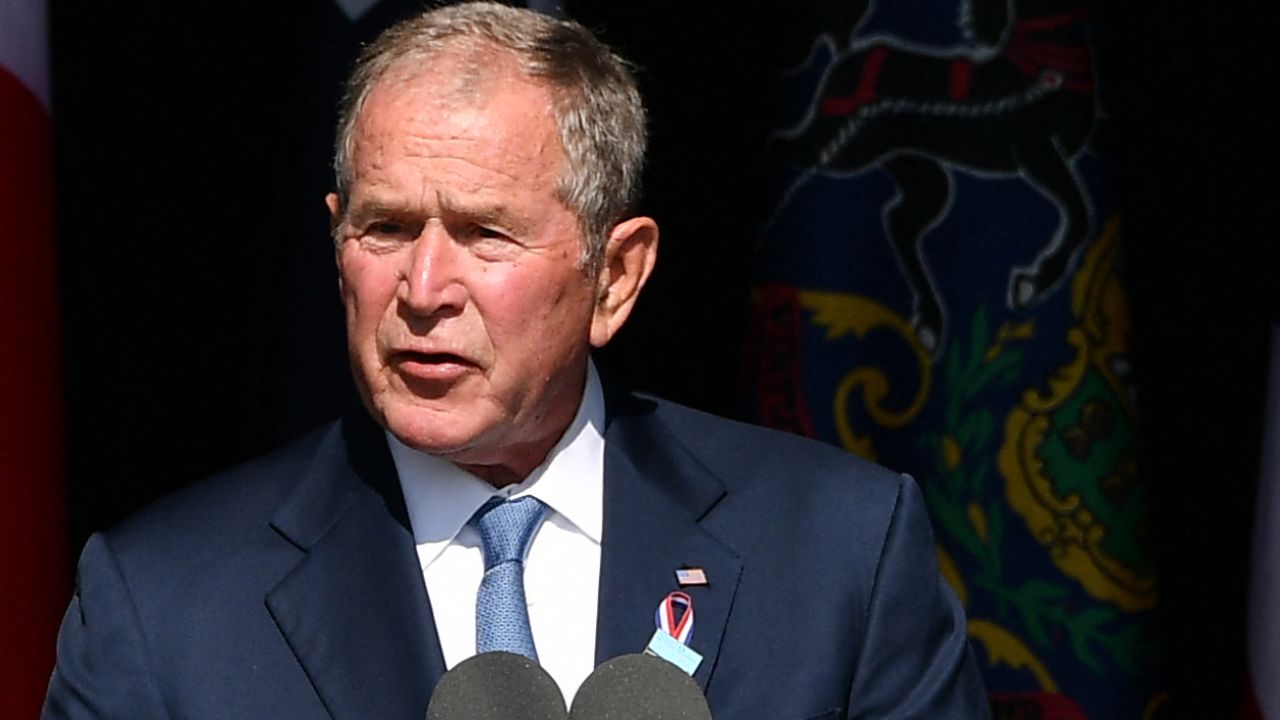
<point x="499" y="476"/>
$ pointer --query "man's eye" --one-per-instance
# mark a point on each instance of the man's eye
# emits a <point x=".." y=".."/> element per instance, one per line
<point x="386" y="228"/>
<point x="487" y="233"/>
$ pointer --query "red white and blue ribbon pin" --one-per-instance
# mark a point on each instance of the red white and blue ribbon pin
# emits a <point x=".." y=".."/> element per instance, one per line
<point x="675" y="616"/>
<point x="670" y="641"/>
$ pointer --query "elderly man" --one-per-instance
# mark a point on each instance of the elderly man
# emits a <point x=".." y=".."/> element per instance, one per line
<point x="487" y="162"/>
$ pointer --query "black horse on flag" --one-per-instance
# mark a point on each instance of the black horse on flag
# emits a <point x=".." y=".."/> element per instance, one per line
<point x="1016" y="99"/>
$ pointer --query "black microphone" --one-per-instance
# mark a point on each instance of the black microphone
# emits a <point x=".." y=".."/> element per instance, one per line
<point x="497" y="686"/>
<point x="635" y="687"/>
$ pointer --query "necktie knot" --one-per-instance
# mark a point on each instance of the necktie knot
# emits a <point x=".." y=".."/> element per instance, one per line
<point x="506" y="527"/>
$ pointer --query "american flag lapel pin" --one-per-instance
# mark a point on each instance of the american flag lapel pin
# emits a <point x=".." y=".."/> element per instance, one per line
<point x="691" y="577"/>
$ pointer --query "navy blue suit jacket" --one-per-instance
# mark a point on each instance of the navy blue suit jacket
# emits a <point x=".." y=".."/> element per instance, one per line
<point x="290" y="587"/>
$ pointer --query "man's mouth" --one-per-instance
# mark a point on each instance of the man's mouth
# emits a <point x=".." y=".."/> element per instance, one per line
<point x="431" y="365"/>
<point x="429" y="357"/>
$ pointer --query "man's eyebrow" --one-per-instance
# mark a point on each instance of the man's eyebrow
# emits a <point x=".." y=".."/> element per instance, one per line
<point x="375" y="208"/>
<point x="483" y="212"/>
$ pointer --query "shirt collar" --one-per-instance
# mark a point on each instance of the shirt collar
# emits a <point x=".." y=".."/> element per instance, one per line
<point x="441" y="497"/>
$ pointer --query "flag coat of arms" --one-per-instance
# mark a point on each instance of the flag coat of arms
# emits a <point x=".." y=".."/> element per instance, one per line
<point x="939" y="286"/>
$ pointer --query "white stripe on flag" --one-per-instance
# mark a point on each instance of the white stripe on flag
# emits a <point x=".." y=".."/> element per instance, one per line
<point x="23" y="45"/>
<point x="1264" y="583"/>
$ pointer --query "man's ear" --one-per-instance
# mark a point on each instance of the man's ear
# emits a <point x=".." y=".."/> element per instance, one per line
<point x="335" y="218"/>
<point x="334" y="204"/>
<point x="629" y="256"/>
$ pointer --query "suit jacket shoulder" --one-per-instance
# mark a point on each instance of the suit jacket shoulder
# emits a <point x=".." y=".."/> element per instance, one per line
<point x="818" y="493"/>
<point x="283" y="588"/>
<point x="743" y="454"/>
<point x="210" y="521"/>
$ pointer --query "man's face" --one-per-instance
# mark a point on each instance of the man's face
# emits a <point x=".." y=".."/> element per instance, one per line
<point x="468" y="317"/>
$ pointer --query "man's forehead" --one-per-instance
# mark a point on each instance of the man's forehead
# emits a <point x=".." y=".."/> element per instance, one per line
<point x="455" y="87"/>
<point x="481" y="149"/>
<point x="462" y="72"/>
<point x="504" y="125"/>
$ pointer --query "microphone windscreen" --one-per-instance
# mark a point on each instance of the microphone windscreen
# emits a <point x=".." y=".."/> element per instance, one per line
<point x="497" y="686"/>
<point x="639" y="686"/>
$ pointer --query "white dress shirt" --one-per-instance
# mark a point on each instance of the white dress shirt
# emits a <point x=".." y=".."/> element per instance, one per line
<point x="562" y="568"/>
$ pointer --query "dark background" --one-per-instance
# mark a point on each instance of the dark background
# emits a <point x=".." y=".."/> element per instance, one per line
<point x="202" y="322"/>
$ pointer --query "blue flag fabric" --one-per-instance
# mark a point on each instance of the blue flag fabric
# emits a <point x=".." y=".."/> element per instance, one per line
<point x="939" y="286"/>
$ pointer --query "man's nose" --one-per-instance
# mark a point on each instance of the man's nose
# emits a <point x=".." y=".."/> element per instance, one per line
<point x="432" y="282"/>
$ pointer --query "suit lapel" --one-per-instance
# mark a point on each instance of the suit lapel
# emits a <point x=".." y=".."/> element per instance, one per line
<point x="655" y="496"/>
<point x="354" y="610"/>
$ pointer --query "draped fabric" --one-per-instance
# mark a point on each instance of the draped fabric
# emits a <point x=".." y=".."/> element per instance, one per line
<point x="33" y="566"/>
<point x="939" y="286"/>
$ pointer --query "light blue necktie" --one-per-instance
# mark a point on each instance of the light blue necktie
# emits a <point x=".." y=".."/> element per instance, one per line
<point x="502" y="616"/>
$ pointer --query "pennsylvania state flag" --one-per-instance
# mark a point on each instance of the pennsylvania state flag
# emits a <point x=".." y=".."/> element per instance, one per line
<point x="938" y="287"/>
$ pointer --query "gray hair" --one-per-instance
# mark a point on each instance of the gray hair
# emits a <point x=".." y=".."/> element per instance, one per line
<point x="597" y="109"/>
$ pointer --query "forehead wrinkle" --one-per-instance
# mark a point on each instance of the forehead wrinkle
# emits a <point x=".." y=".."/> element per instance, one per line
<point x="432" y="154"/>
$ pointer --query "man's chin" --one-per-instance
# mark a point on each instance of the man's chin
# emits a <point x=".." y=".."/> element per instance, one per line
<point x="436" y="424"/>
<point x="431" y="441"/>
<point x="434" y="427"/>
